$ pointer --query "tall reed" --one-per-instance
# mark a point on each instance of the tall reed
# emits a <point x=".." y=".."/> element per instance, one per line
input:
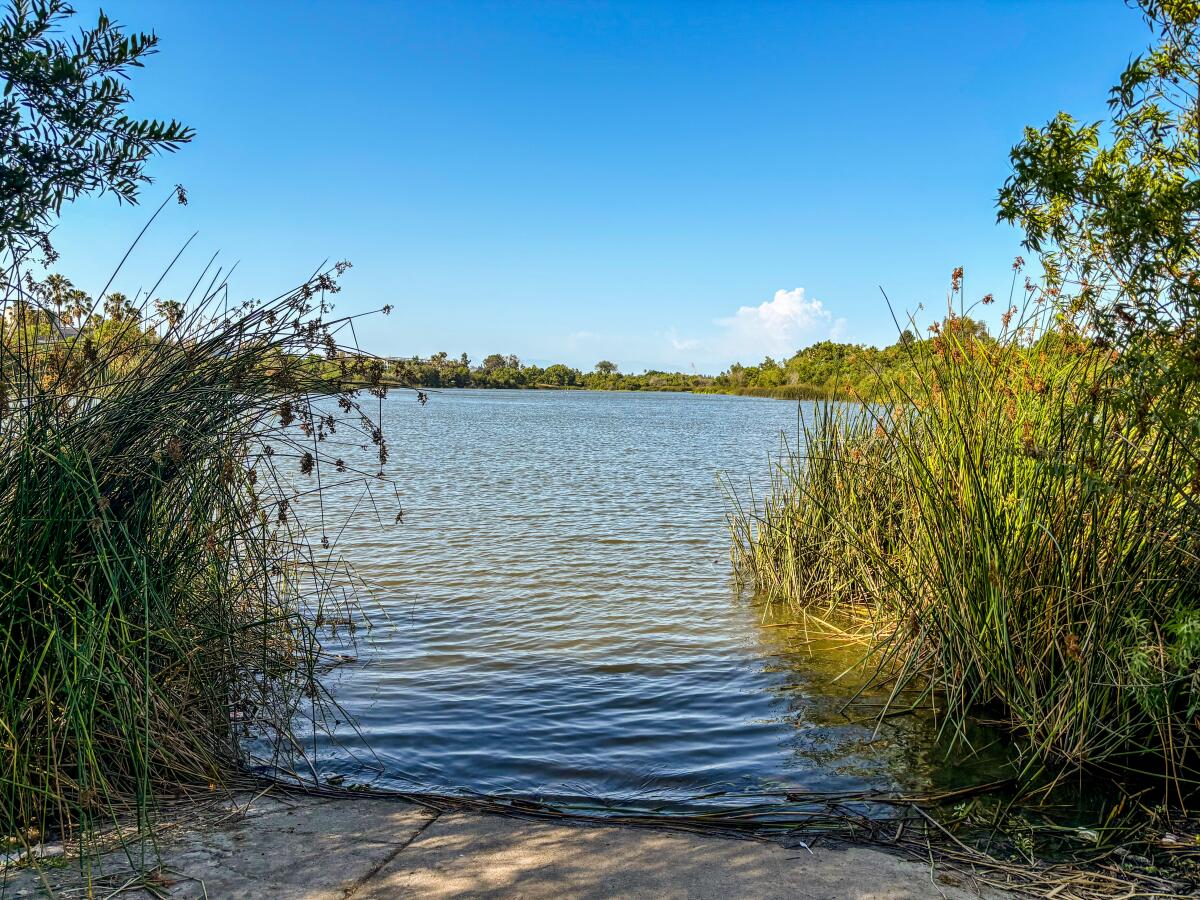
<point x="1024" y="546"/>
<point x="158" y="601"/>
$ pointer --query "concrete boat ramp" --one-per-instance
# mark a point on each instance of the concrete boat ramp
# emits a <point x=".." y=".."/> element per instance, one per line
<point x="319" y="848"/>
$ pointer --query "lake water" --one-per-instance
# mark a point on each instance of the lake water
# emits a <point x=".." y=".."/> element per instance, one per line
<point x="563" y="621"/>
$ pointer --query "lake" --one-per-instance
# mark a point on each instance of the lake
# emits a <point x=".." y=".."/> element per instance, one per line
<point x="563" y="622"/>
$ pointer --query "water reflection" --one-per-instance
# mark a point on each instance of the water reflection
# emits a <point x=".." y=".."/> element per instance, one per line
<point x="857" y="727"/>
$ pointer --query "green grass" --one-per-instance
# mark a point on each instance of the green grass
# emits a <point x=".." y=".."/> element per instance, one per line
<point x="1019" y="544"/>
<point x="158" y="601"/>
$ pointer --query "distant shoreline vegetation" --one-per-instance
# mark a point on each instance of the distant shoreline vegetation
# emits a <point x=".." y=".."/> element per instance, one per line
<point x="826" y="370"/>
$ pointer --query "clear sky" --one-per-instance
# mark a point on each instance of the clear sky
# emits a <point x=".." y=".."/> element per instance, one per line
<point x="668" y="185"/>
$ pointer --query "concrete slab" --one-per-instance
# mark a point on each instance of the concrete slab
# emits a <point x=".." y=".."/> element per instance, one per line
<point x="467" y="855"/>
<point x="324" y="852"/>
<point x="314" y="849"/>
<point x="370" y="849"/>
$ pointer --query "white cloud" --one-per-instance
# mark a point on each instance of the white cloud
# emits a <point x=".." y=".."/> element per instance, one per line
<point x="777" y="327"/>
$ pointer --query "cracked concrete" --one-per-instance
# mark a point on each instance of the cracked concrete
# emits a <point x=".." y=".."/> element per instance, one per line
<point x="370" y="849"/>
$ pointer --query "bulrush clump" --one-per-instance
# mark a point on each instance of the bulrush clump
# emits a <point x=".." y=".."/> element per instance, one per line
<point x="1017" y="537"/>
<point x="153" y="612"/>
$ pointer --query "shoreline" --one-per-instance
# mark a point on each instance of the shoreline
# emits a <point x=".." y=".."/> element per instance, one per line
<point x="753" y="393"/>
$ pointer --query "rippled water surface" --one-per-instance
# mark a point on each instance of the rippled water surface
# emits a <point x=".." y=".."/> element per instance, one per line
<point x="563" y="620"/>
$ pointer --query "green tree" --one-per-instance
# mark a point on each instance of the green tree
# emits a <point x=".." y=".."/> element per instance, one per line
<point x="1113" y="209"/>
<point x="59" y="299"/>
<point x="605" y="367"/>
<point x="117" y="308"/>
<point x="965" y="328"/>
<point x="64" y="132"/>
<point x="561" y="375"/>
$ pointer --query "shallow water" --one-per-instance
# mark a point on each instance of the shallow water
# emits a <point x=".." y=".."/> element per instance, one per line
<point x="564" y="622"/>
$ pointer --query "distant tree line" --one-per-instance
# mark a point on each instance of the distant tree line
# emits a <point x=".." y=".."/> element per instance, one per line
<point x="826" y="369"/>
<point x="57" y="312"/>
<point x="507" y="371"/>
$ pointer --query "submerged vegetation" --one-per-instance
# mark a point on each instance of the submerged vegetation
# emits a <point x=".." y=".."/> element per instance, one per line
<point x="1017" y="524"/>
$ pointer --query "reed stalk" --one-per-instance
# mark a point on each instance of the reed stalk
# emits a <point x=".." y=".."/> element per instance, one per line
<point x="1024" y="544"/>
<point x="161" y="609"/>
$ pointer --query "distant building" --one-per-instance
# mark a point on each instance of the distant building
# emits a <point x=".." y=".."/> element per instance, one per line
<point x="59" y="330"/>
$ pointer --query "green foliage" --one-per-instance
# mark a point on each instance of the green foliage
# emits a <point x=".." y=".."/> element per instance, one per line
<point x="64" y="132"/>
<point x="560" y="375"/>
<point x="1018" y="520"/>
<point x="826" y="367"/>
<point x="158" y="601"/>
<point x="830" y="369"/>
<point x="1015" y="543"/>
<point x="823" y="370"/>
<point x="1113" y="209"/>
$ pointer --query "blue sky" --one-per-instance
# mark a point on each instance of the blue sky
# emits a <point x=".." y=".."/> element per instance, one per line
<point x="668" y="185"/>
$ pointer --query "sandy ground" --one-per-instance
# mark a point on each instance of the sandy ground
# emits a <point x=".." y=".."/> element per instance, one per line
<point x="319" y="849"/>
